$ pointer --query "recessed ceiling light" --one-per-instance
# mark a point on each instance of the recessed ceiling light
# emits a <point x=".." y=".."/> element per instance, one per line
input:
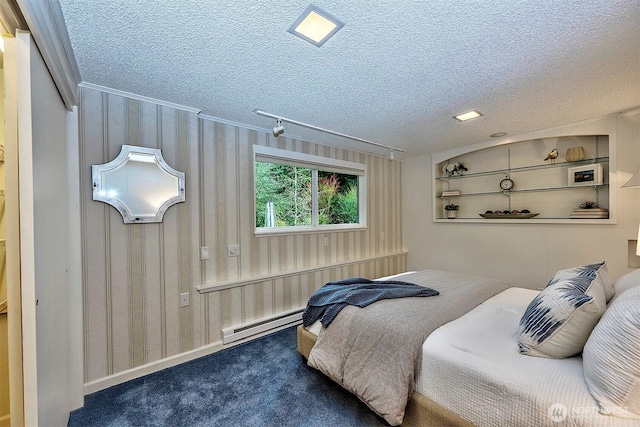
<point x="315" y="25"/>
<point x="467" y="116"/>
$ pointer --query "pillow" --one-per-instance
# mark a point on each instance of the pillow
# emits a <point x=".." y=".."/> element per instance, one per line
<point x="558" y="321"/>
<point x="627" y="281"/>
<point x="594" y="271"/>
<point x="611" y="357"/>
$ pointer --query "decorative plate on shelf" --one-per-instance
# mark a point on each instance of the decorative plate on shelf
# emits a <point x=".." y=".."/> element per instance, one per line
<point x="509" y="215"/>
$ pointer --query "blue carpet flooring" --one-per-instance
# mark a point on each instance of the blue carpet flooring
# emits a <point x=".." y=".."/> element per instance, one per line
<point x="262" y="383"/>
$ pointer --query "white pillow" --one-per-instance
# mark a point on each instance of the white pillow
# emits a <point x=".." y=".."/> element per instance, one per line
<point x="611" y="357"/>
<point x="557" y="323"/>
<point x="627" y="281"/>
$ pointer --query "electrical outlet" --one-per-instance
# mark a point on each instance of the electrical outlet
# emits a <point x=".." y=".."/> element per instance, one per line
<point x="184" y="299"/>
<point x="233" y="250"/>
<point x="204" y="253"/>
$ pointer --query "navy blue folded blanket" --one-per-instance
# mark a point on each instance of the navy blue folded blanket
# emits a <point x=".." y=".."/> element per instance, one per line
<point x="326" y="302"/>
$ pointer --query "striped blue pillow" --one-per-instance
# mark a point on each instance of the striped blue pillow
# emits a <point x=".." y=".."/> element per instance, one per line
<point x="557" y="323"/>
<point x="592" y="271"/>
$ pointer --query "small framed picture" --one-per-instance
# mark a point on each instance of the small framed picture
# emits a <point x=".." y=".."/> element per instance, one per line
<point x="585" y="175"/>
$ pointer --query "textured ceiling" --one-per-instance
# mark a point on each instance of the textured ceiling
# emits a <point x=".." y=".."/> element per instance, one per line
<point x="395" y="74"/>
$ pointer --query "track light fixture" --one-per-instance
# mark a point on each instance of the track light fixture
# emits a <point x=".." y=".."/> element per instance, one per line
<point x="279" y="129"/>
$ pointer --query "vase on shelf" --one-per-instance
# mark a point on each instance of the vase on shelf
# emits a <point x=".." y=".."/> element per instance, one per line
<point x="455" y="168"/>
<point x="575" y="154"/>
<point x="452" y="210"/>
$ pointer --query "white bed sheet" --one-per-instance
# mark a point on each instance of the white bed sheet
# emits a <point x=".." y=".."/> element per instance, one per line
<point x="472" y="367"/>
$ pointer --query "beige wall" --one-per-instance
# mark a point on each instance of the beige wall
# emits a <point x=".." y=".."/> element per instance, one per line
<point x="4" y="372"/>
<point x="133" y="274"/>
<point x="525" y="255"/>
<point x="4" y="339"/>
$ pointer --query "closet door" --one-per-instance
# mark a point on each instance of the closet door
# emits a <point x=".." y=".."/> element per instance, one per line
<point x="43" y="237"/>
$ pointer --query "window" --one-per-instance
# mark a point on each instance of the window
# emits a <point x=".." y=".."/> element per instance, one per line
<point x="297" y="192"/>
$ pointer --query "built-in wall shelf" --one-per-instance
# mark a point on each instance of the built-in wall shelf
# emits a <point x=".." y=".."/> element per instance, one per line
<point x="511" y="192"/>
<point x="516" y="176"/>
<point x="506" y="170"/>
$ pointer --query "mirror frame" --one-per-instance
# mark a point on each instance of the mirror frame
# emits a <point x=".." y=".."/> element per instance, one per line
<point x="128" y="216"/>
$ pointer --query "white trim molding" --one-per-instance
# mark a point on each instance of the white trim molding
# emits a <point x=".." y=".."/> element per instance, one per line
<point x="138" y="97"/>
<point x="229" y="284"/>
<point x="46" y="23"/>
<point x="149" y="368"/>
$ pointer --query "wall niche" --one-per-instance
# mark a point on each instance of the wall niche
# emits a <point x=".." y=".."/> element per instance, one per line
<point x="552" y="179"/>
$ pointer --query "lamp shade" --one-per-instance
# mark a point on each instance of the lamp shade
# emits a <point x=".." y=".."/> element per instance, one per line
<point x="634" y="181"/>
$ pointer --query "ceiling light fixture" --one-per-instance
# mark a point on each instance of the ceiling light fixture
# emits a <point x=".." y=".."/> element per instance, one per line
<point x="315" y="25"/>
<point x="332" y="132"/>
<point x="498" y="134"/>
<point x="279" y="129"/>
<point x="468" y="116"/>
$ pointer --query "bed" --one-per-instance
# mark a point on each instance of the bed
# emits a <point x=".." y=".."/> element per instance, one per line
<point x="469" y="369"/>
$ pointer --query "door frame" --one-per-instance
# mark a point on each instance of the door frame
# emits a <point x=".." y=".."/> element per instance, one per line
<point x="12" y="215"/>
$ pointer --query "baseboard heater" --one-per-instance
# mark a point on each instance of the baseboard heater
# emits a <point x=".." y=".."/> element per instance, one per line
<point x="260" y="327"/>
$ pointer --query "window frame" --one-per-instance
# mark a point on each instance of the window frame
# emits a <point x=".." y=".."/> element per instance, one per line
<point x="315" y="163"/>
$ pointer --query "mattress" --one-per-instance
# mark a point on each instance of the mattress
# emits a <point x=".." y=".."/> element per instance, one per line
<point x="472" y="367"/>
<point x="375" y="351"/>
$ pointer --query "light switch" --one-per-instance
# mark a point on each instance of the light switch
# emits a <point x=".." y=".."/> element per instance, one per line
<point x="204" y="253"/>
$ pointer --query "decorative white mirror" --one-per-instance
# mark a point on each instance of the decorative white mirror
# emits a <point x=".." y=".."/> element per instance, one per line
<point x="139" y="184"/>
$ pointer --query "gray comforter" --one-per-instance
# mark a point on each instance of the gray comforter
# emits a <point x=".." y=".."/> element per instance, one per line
<point x="374" y="351"/>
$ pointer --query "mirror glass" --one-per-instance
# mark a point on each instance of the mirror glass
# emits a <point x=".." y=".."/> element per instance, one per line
<point x="139" y="184"/>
